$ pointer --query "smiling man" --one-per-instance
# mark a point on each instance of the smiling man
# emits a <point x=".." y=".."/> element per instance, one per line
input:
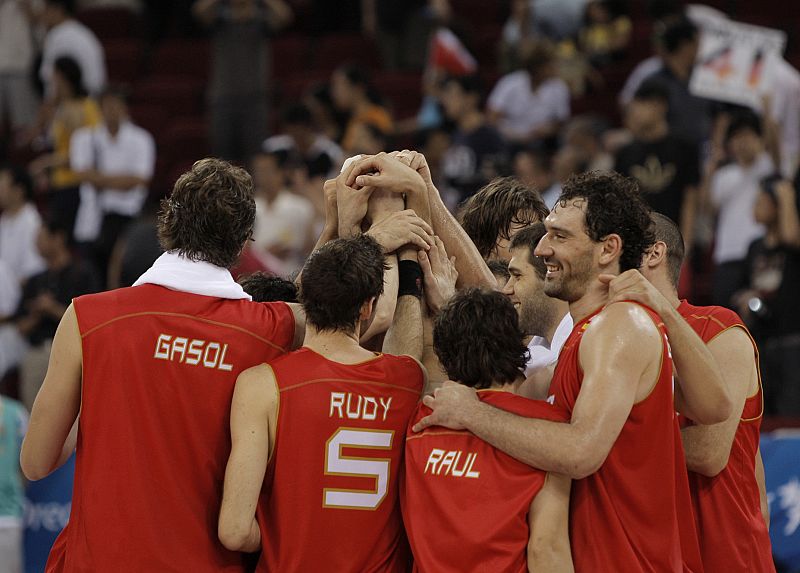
<point x="614" y="376"/>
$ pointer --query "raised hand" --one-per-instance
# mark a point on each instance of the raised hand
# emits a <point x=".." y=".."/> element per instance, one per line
<point x="440" y="275"/>
<point x="386" y="172"/>
<point x="402" y="228"/>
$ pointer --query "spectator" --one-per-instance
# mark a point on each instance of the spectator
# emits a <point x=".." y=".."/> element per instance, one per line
<point x="477" y="151"/>
<point x="388" y="22"/>
<point x="284" y="219"/>
<point x="733" y="192"/>
<point x="561" y="17"/>
<point x="17" y="97"/>
<point x="238" y="87"/>
<point x="115" y="160"/>
<point x="585" y="136"/>
<point x="13" y="425"/>
<point x="532" y="103"/>
<point x="350" y="92"/>
<point x="45" y="298"/>
<point x="521" y="27"/>
<point x="689" y="116"/>
<point x="19" y="224"/>
<point x="264" y="287"/>
<point x="136" y="250"/>
<point x="12" y="346"/>
<point x="606" y="32"/>
<point x="66" y="37"/>
<point x="666" y="166"/>
<point x="368" y="139"/>
<point x="769" y="302"/>
<point x="74" y="109"/>
<point x="304" y="145"/>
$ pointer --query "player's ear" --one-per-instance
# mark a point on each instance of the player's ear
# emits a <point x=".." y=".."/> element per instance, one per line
<point x="610" y="249"/>
<point x="656" y="256"/>
<point x="366" y="310"/>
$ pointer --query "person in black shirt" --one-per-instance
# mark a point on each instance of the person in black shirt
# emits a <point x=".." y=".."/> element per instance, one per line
<point x="666" y="166"/>
<point x="769" y="304"/>
<point x="45" y="298"/>
<point x="477" y="149"/>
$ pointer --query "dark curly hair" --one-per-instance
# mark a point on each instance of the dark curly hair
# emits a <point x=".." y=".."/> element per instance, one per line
<point x="210" y="214"/>
<point x="478" y="340"/>
<point x="488" y="215"/>
<point x="613" y="206"/>
<point x="338" y="279"/>
<point x="264" y="287"/>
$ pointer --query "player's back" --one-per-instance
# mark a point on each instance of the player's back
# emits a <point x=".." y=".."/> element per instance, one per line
<point x="465" y="503"/>
<point x="727" y="507"/>
<point x="330" y="497"/>
<point x="625" y="516"/>
<point x="159" y="369"/>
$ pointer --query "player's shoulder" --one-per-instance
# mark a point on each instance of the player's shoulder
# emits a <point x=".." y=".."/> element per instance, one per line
<point x="709" y="321"/>
<point x="627" y="319"/>
<point x="523" y="406"/>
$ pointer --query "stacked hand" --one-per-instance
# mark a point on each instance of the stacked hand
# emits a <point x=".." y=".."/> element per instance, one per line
<point x="440" y="275"/>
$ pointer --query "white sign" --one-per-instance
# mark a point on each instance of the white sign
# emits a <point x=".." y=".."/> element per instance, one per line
<point x="735" y="62"/>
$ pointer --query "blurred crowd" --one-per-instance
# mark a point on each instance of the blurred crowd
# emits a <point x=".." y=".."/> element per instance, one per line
<point x="570" y="87"/>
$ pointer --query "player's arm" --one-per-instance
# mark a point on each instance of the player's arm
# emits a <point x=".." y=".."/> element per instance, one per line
<point x="761" y="480"/>
<point x="548" y="519"/>
<point x="702" y="393"/>
<point x="253" y="408"/>
<point x="405" y="334"/>
<point x="708" y="447"/>
<point x="618" y="348"/>
<point x="299" y="324"/>
<point x="52" y="432"/>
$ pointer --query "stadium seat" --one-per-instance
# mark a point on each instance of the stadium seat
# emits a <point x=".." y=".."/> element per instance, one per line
<point x="185" y="139"/>
<point x="122" y="59"/>
<point x="175" y="95"/>
<point x="333" y="50"/>
<point x="182" y="58"/>
<point x="109" y="22"/>
<point x="151" y="117"/>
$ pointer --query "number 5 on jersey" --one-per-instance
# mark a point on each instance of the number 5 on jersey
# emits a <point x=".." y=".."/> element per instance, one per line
<point x="338" y="464"/>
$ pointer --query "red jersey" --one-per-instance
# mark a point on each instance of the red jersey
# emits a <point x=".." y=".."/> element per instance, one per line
<point x="330" y="497"/>
<point x="465" y="503"/>
<point x="727" y="507"/>
<point x="625" y="516"/>
<point x="159" y="368"/>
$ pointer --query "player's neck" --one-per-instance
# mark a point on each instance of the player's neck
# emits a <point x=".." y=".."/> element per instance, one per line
<point x="561" y="309"/>
<point x="337" y="346"/>
<point x="512" y="387"/>
<point x="596" y="295"/>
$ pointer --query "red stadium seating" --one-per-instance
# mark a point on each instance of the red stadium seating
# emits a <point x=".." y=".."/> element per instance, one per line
<point x="122" y="60"/>
<point x="333" y="50"/>
<point x="182" y="58"/>
<point x="289" y="55"/>
<point x="401" y="90"/>
<point x="175" y="95"/>
<point x="110" y="21"/>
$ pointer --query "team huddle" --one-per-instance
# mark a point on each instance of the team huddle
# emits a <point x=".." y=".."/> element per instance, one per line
<point x="519" y="390"/>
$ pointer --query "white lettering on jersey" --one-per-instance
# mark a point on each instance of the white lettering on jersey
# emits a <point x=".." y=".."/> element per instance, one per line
<point x="182" y="350"/>
<point x="441" y="462"/>
<point x="357" y="407"/>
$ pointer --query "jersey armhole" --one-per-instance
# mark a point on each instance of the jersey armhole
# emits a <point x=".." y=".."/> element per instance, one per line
<point x="274" y="432"/>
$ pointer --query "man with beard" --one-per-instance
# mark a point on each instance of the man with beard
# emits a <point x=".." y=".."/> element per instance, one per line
<point x="546" y="318"/>
<point x="614" y="376"/>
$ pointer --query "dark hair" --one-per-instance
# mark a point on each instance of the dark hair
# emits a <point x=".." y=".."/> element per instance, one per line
<point x="743" y="120"/>
<point x="499" y="267"/>
<point x="613" y="206"/>
<point x="58" y="226"/>
<point x="469" y="84"/>
<point x="488" y="215"/>
<point x="675" y="32"/>
<point x="338" y="279"/>
<point x="209" y="214"/>
<point x="264" y="287"/>
<point x="528" y="238"/>
<point x="478" y="340"/>
<point x="652" y="90"/>
<point x="72" y="73"/>
<point x="21" y="178"/>
<point x="667" y="231"/>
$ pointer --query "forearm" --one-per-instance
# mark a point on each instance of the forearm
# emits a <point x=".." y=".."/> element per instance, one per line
<point x="707" y="400"/>
<point x="120" y="182"/>
<point x="555" y="557"/>
<point x="703" y="453"/>
<point x="405" y="334"/>
<point x="472" y="269"/>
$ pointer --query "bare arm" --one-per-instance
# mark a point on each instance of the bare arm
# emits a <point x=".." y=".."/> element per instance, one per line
<point x="253" y="415"/>
<point x="702" y="393"/>
<point x="548" y="519"/>
<point x="762" y="487"/>
<point x="405" y="334"/>
<point x="52" y="432"/>
<point x="708" y="447"/>
<point x="619" y="348"/>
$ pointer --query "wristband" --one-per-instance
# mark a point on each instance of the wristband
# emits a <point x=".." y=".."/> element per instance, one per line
<point x="410" y="282"/>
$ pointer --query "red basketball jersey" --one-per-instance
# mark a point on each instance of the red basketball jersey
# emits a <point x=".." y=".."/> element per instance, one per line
<point x="465" y="503"/>
<point x="727" y="507"/>
<point x="159" y="368"/>
<point x="625" y="516"/>
<point x="330" y="498"/>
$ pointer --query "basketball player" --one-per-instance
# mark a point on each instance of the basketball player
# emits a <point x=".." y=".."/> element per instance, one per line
<point x="515" y="517"/>
<point x="614" y="377"/>
<point x="722" y="458"/>
<point x="326" y="426"/>
<point x="151" y="369"/>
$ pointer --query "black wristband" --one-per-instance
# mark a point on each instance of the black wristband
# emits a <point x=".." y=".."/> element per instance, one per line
<point x="410" y="282"/>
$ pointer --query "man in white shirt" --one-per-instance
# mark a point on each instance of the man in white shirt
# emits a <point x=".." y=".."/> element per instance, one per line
<point x="546" y="318"/>
<point x="68" y="37"/>
<point x="734" y="189"/>
<point x="531" y="103"/>
<point x="115" y="162"/>
<point x="19" y="224"/>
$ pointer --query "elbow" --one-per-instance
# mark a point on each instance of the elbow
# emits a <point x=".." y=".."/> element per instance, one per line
<point x="234" y="537"/>
<point x="720" y="411"/>
<point x="547" y="554"/>
<point x="32" y="469"/>
<point x="586" y="462"/>
<point x="709" y="467"/>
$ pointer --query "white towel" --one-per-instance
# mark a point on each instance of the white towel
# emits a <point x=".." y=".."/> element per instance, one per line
<point x="176" y="272"/>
